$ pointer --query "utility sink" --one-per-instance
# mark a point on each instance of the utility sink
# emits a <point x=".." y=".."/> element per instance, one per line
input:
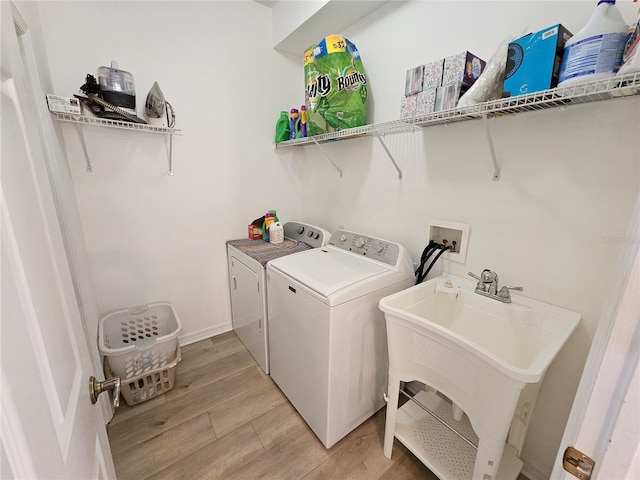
<point x="520" y="338"/>
<point x="486" y="357"/>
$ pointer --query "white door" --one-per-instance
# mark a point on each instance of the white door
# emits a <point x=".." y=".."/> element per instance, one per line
<point x="50" y="429"/>
<point x="605" y="420"/>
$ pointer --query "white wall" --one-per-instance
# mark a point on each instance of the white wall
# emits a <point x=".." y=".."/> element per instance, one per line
<point x="151" y="236"/>
<point x="555" y="221"/>
<point x="552" y="223"/>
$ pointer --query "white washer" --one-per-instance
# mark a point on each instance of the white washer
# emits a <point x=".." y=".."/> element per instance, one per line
<point x="327" y="336"/>
<point x="247" y="261"/>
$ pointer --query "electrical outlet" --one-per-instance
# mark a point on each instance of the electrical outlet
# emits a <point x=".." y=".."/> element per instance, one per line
<point x="455" y="235"/>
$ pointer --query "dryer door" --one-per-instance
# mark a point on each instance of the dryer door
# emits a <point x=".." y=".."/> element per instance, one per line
<point x="247" y="308"/>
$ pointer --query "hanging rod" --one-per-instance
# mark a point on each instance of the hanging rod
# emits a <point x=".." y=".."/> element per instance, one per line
<point x="435" y="415"/>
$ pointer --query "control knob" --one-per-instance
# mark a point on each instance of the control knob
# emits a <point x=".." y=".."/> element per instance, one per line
<point x="360" y="242"/>
<point x="310" y="234"/>
<point x="343" y="237"/>
<point x="300" y="229"/>
<point x="380" y="248"/>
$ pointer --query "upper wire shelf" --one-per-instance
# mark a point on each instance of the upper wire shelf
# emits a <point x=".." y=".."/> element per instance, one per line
<point x="104" y="122"/>
<point x="597" y="90"/>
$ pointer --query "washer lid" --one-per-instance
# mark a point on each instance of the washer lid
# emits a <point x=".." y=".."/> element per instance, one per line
<point x="327" y="270"/>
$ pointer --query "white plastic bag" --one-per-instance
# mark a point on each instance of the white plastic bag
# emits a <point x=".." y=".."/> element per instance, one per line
<point x="489" y="85"/>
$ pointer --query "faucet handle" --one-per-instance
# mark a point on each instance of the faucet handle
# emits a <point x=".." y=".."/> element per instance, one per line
<point x="471" y="274"/>
<point x="505" y="291"/>
<point x="480" y="284"/>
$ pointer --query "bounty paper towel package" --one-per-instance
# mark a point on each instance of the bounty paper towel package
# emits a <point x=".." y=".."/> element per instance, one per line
<point x="335" y="86"/>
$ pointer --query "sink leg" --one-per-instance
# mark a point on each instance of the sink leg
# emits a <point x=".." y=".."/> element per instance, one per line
<point x="488" y="459"/>
<point x="392" y="410"/>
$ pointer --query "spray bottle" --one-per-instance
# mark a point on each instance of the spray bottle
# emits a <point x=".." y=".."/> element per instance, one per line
<point x="302" y="123"/>
<point x="293" y="118"/>
<point x="594" y="52"/>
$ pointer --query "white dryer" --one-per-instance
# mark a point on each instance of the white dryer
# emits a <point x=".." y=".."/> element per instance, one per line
<point x="327" y="336"/>
<point x="247" y="260"/>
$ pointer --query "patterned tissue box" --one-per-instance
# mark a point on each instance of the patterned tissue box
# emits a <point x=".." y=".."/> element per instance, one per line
<point x="425" y="102"/>
<point x="408" y="106"/>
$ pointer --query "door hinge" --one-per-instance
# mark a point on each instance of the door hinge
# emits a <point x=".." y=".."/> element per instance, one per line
<point x="578" y="464"/>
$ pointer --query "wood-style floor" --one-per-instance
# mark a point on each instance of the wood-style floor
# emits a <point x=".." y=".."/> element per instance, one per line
<point x="226" y="419"/>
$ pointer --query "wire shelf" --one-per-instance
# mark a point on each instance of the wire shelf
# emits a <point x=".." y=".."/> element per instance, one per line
<point x="104" y="122"/>
<point x="594" y="91"/>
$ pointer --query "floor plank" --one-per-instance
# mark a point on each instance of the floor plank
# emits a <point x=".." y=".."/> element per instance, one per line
<point x="163" y="450"/>
<point x="217" y="459"/>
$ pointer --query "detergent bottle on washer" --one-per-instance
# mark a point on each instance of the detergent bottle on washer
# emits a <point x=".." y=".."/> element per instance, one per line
<point x="276" y="232"/>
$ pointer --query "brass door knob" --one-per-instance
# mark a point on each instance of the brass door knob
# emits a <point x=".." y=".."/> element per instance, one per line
<point x="96" y="388"/>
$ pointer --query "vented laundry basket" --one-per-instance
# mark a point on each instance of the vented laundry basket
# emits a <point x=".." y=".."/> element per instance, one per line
<point x="139" y="339"/>
<point x="149" y="385"/>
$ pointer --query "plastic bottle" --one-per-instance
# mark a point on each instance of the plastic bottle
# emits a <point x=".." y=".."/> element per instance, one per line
<point x="302" y="123"/>
<point x="631" y="53"/>
<point x="594" y="52"/>
<point x="293" y="118"/>
<point x="276" y="232"/>
<point x="269" y="218"/>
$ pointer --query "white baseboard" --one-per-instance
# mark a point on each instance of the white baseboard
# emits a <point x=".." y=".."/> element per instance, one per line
<point x="193" y="337"/>
<point x="533" y="470"/>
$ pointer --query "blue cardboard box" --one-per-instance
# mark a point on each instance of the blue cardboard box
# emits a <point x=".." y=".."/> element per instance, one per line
<point x="533" y="61"/>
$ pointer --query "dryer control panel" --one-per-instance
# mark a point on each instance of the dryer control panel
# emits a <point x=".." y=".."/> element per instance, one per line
<point x="375" y="248"/>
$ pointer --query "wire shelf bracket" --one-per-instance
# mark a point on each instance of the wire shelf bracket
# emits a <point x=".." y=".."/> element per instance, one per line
<point x="378" y="135"/>
<point x="487" y="131"/>
<point x="326" y="154"/>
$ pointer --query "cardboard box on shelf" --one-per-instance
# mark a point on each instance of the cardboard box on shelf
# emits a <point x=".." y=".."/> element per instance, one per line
<point x="425" y="102"/>
<point x="533" y="61"/>
<point x="60" y="104"/>
<point x="432" y="78"/>
<point x="464" y="68"/>
<point x="408" y="106"/>
<point x="447" y="96"/>
<point x="413" y="81"/>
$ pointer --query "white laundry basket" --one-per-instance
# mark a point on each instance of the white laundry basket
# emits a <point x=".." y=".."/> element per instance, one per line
<point x="139" y="339"/>
<point x="149" y="385"/>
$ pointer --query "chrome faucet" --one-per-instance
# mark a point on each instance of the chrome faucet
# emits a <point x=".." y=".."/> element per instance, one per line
<point x="488" y="286"/>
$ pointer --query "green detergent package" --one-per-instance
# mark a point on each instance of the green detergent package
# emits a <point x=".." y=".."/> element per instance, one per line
<point x="336" y="86"/>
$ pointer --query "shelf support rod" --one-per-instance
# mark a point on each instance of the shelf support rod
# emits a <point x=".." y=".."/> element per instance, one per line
<point x="170" y="153"/>
<point x="384" y="146"/>
<point x="328" y="156"/>
<point x="84" y="148"/>
<point x="487" y="131"/>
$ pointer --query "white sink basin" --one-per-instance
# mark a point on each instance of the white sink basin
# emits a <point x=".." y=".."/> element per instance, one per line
<point x="520" y="338"/>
